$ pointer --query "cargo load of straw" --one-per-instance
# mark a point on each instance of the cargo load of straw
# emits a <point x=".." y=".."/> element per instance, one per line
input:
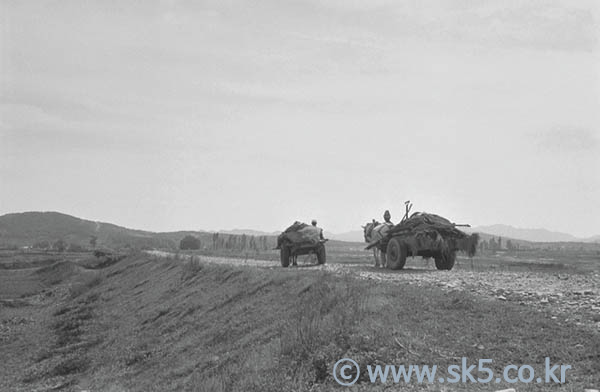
<point x="299" y="233"/>
<point x="424" y="230"/>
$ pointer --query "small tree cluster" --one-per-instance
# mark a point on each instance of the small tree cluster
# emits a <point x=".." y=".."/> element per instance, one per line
<point x="189" y="242"/>
<point x="511" y="246"/>
<point x="494" y="244"/>
<point x="75" y="248"/>
<point x="59" y="245"/>
<point x="42" y="245"/>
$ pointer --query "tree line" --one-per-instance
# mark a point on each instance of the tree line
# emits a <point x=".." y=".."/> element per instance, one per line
<point x="60" y="245"/>
<point x="494" y="244"/>
<point x="233" y="242"/>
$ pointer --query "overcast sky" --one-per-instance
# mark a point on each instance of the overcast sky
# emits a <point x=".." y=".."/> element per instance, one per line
<point x="221" y="114"/>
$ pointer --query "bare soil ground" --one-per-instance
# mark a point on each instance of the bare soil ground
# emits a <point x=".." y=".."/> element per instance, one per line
<point x="172" y="322"/>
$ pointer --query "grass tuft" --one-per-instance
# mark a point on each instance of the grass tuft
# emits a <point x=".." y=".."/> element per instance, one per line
<point x="69" y="366"/>
<point x="81" y="287"/>
<point x="190" y="268"/>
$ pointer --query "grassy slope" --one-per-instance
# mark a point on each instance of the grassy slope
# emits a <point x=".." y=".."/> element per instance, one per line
<point x="149" y="324"/>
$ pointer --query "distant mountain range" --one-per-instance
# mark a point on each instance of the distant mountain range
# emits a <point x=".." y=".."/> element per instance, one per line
<point x="28" y="228"/>
<point x="532" y="235"/>
<point x="348" y="236"/>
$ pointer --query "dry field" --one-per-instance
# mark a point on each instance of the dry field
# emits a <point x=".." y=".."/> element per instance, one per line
<point x="171" y="322"/>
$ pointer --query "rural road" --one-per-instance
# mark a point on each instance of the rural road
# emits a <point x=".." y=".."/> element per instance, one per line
<point x="568" y="298"/>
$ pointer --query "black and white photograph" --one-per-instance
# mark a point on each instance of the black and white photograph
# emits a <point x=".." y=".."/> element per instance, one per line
<point x="299" y="195"/>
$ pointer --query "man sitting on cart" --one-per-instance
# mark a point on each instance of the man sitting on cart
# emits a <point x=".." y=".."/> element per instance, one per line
<point x="386" y="217"/>
<point x="314" y="223"/>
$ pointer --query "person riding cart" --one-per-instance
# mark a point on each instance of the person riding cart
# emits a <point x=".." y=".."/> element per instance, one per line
<point x="301" y="239"/>
<point x="386" y="218"/>
<point x="314" y="223"/>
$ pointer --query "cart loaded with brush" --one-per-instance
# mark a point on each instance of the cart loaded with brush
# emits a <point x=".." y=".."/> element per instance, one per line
<point x="426" y="235"/>
<point x="301" y="239"/>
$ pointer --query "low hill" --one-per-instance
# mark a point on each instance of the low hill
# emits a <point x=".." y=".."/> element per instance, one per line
<point x="29" y="228"/>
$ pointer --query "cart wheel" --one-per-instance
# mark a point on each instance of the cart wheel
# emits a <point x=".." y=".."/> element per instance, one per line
<point x="285" y="256"/>
<point x="321" y="257"/>
<point x="445" y="260"/>
<point x="396" y="254"/>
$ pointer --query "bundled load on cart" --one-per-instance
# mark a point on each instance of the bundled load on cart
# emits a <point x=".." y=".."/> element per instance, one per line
<point x="426" y="235"/>
<point x="301" y="239"/>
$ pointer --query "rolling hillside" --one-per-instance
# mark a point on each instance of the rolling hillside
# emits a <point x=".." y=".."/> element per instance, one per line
<point x="29" y="228"/>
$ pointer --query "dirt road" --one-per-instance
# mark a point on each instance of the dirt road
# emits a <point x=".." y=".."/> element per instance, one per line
<point x="568" y="298"/>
